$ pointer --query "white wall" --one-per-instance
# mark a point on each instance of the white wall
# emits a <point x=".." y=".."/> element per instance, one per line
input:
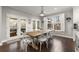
<point x="69" y="25"/>
<point x="4" y="28"/>
<point x="0" y="21"/>
<point x="75" y="19"/>
<point x="75" y="14"/>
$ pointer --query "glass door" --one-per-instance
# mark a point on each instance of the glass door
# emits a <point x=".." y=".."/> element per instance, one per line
<point x="23" y="26"/>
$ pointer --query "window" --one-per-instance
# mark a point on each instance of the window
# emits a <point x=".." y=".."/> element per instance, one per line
<point x="57" y="26"/>
<point x="38" y="24"/>
<point x="34" y="25"/>
<point x="49" y="25"/>
<point x="13" y="26"/>
<point x="56" y="22"/>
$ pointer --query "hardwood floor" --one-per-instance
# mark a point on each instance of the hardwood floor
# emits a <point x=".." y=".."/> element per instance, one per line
<point x="56" y="44"/>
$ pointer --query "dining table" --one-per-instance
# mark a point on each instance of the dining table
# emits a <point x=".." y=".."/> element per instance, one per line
<point x="36" y="34"/>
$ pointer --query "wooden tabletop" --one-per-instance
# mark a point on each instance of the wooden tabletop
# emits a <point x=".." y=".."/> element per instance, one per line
<point x="34" y="33"/>
<point x="37" y="33"/>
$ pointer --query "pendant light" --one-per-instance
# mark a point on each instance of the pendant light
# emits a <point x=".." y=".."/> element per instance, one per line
<point x="42" y="11"/>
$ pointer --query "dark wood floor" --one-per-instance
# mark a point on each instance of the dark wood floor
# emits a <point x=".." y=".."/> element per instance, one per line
<point x="56" y="44"/>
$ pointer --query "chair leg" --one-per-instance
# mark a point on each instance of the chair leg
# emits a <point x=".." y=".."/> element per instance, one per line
<point x="47" y="43"/>
<point x="25" y="47"/>
<point x="40" y="45"/>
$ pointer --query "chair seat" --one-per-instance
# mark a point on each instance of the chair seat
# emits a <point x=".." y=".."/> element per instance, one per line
<point x="27" y="40"/>
<point x="42" y="39"/>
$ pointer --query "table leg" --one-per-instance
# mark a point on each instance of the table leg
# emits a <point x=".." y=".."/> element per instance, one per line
<point x="34" y="45"/>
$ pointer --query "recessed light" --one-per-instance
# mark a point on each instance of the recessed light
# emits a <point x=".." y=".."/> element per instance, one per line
<point x="55" y="8"/>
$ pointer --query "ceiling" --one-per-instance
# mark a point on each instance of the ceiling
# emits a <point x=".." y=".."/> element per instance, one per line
<point x="35" y="10"/>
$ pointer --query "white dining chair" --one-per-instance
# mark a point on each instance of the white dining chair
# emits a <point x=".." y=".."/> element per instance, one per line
<point x="48" y="35"/>
<point x="51" y="34"/>
<point x="43" y="39"/>
<point x="26" y="41"/>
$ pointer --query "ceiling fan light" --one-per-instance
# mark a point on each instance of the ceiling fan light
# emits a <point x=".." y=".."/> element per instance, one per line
<point x="41" y="14"/>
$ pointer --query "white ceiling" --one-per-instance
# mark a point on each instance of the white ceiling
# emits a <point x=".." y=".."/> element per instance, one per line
<point x="35" y="10"/>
